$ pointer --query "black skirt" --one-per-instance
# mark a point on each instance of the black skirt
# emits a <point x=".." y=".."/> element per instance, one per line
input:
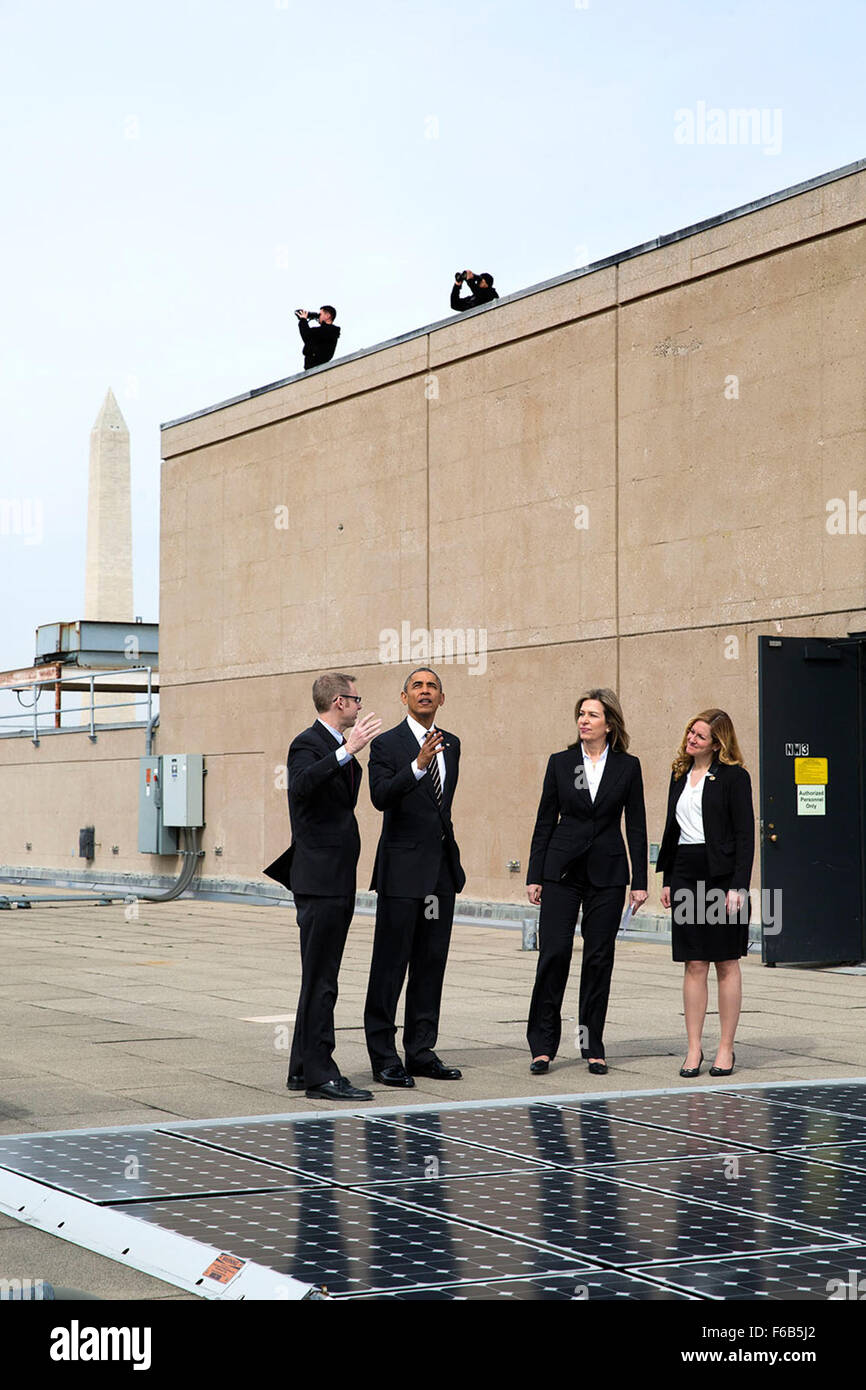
<point x="701" y="928"/>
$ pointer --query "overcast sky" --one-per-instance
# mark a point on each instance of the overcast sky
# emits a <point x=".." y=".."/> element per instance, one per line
<point x="178" y="176"/>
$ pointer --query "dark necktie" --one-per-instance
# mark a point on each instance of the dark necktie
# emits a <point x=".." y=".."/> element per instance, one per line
<point x="346" y="767"/>
<point x="437" y="780"/>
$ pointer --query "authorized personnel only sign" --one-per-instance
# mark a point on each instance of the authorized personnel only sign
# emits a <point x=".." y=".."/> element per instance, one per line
<point x="810" y="778"/>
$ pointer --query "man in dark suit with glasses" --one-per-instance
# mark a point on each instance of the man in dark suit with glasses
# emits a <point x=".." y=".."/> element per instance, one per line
<point x="319" y="868"/>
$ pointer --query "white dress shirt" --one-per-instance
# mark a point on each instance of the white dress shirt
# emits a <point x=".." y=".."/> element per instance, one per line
<point x="593" y="771"/>
<point x="690" y="813"/>
<point x="421" y="733"/>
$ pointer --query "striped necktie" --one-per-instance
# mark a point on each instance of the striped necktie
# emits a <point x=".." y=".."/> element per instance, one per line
<point x="437" y="780"/>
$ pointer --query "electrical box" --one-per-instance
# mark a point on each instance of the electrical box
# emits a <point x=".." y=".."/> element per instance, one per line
<point x="183" y="789"/>
<point x="154" y="836"/>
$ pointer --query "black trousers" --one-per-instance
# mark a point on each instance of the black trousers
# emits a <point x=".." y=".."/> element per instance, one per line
<point x="324" y="926"/>
<point x="602" y="912"/>
<point x="411" y="934"/>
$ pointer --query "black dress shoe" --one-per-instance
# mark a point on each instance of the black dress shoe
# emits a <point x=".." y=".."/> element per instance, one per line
<point x="539" y="1066"/>
<point x="395" y="1075"/>
<point x="724" y="1071"/>
<point x="692" y="1071"/>
<point x="597" y="1068"/>
<point x="296" y="1083"/>
<point x="341" y="1089"/>
<point x="436" y="1071"/>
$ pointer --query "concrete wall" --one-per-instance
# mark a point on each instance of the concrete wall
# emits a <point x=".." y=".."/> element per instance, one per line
<point x="50" y="792"/>
<point x="702" y="401"/>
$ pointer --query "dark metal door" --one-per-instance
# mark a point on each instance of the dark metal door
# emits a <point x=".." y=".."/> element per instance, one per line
<point x="812" y="801"/>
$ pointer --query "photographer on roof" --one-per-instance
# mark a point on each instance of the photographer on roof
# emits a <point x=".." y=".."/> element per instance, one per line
<point x="481" y="287"/>
<point x="319" y="344"/>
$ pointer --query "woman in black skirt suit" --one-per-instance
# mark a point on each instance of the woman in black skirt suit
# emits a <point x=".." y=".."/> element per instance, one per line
<point x="578" y="860"/>
<point x="706" y="860"/>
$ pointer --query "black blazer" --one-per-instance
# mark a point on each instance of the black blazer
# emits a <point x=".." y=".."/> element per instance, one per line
<point x="322" y="859"/>
<point x="416" y="830"/>
<point x="569" y="823"/>
<point x="729" y="824"/>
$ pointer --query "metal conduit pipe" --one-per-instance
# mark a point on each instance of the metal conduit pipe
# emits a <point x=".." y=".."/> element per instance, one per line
<point x="149" y="733"/>
<point x="190" y="853"/>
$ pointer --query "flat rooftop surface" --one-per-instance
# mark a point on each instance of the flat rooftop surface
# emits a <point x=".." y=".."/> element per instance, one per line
<point x="167" y="1027"/>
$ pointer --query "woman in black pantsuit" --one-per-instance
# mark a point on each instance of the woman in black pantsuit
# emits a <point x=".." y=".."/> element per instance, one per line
<point x="577" y="859"/>
<point x="706" y="860"/>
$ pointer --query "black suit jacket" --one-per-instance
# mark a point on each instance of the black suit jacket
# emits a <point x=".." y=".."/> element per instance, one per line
<point x="729" y="824"/>
<point x="478" y="296"/>
<point x="416" y="830"/>
<point x="320" y="343"/>
<point x="570" y="824"/>
<point x="322" y="859"/>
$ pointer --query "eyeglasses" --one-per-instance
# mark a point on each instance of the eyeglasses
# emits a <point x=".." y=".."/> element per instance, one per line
<point x="356" y="698"/>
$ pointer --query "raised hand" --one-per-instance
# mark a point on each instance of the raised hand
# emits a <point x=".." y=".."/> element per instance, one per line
<point x="361" y="733"/>
<point x="433" y="744"/>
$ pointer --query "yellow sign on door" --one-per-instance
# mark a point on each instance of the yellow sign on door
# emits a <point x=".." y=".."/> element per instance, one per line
<point x="810" y="772"/>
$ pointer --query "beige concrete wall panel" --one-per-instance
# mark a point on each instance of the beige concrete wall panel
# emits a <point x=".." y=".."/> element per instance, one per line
<point x="735" y="576"/>
<point x="589" y="294"/>
<point x="235" y="789"/>
<point x="653" y="271"/>
<point x="378" y="369"/>
<point x="347" y="549"/>
<point x="114" y="745"/>
<point x="202" y="647"/>
<point x="459" y="591"/>
<point x="782" y="224"/>
<point x="509" y="722"/>
<point x="308" y="393"/>
<point x="657" y="513"/>
<point x="844" y="201"/>
<point x="526" y="575"/>
<point x="518" y="426"/>
<point x="745" y="472"/>
<point x="541" y="447"/>
<point x="248" y="589"/>
<point x="172" y="556"/>
<point x="174" y="647"/>
<point x="658" y="704"/>
<point x="173" y="515"/>
<point x="843" y="552"/>
<point x="64" y="784"/>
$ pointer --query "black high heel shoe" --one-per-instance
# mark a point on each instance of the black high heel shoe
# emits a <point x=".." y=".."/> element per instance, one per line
<point x="724" y="1071"/>
<point x="690" y="1072"/>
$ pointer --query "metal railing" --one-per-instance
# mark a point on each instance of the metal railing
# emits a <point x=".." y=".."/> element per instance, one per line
<point x="89" y="715"/>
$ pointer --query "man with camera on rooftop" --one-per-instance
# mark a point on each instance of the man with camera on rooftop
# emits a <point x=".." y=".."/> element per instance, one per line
<point x="481" y="287"/>
<point x="320" y="344"/>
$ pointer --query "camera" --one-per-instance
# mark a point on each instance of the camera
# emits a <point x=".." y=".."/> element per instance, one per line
<point x="311" y="313"/>
<point x="459" y="276"/>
